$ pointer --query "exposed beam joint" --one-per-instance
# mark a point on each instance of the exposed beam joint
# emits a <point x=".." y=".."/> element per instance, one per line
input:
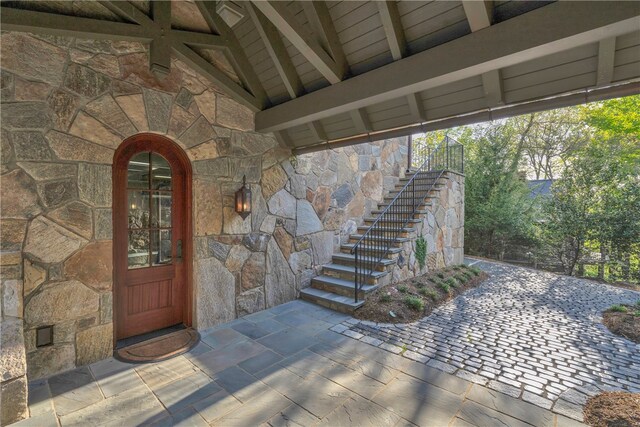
<point x="318" y="131"/>
<point x="495" y="47"/>
<point x="416" y="107"/>
<point x="283" y="139"/>
<point x="492" y="87"/>
<point x="393" y="28"/>
<point x="361" y="120"/>
<point x="198" y="63"/>
<point x="301" y="39"/>
<point x="480" y="16"/>
<point x="606" y="54"/>
<point x="321" y="24"/>
<point x="479" y="13"/>
<point x="234" y="52"/>
<point x="277" y="51"/>
<point x="160" y="50"/>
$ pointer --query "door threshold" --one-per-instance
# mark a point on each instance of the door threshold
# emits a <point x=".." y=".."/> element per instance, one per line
<point x="137" y="339"/>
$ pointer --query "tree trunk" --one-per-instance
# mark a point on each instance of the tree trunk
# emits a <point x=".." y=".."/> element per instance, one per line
<point x="603" y="258"/>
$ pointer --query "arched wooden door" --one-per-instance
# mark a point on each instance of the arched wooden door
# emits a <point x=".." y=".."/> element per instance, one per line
<point x="151" y="218"/>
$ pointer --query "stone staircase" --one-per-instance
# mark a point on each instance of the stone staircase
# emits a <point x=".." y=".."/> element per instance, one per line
<point x="335" y="287"/>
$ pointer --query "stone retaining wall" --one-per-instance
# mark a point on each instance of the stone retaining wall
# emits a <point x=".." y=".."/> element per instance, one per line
<point x="66" y="106"/>
<point x="443" y="230"/>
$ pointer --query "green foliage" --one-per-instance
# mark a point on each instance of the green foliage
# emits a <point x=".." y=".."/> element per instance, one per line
<point x="402" y="289"/>
<point x="421" y="251"/>
<point x="452" y="282"/>
<point x="618" y="309"/>
<point x="475" y="271"/>
<point x="440" y="275"/>
<point x="614" y="117"/>
<point x="414" y="303"/>
<point x="445" y="287"/>
<point x="462" y="278"/>
<point x="386" y="297"/>
<point x="498" y="209"/>
<point x="429" y="293"/>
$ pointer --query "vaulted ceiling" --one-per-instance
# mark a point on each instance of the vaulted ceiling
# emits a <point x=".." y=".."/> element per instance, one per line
<point x="322" y="74"/>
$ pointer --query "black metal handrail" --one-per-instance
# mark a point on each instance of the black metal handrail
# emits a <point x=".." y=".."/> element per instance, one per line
<point x="378" y="240"/>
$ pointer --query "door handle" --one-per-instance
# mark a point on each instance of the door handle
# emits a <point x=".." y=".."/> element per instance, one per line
<point x="179" y="249"/>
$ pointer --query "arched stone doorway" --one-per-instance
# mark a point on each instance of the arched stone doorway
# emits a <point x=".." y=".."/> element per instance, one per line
<point x="152" y="252"/>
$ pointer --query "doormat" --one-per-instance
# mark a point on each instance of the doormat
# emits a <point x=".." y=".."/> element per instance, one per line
<point x="160" y="348"/>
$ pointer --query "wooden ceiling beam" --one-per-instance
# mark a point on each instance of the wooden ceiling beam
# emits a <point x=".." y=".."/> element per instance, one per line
<point x="318" y="131"/>
<point x="479" y="13"/>
<point x="495" y="47"/>
<point x="204" y="67"/>
<point x="234" y="52"/>
<point x="361" y="120"/>
<point x="277" y="51"/>
<point x="71" y="26"/>
<point x="416" y="107"/>
<point x="606" y="55"/>
<point x="160" y="49"/>
<point x="321" y="24"/>
<point x="392" y="25"/>
<point x="480" y="16"/>
<point x="300" y="38"/>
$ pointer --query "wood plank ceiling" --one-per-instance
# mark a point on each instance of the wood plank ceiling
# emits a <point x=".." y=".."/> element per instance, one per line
<point x="322" y="74"/>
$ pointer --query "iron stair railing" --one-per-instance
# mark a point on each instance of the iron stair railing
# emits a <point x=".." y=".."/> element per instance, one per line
<point x="378" y="240"/>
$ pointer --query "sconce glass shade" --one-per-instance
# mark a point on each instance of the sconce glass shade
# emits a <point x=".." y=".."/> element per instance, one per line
<point x="243" y="200"/>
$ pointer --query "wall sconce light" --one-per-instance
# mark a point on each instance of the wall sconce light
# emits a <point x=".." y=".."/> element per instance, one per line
<point x="243" y="199"/>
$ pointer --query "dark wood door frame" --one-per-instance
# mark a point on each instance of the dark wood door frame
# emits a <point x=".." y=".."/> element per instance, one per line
<point x="175" y="155"/>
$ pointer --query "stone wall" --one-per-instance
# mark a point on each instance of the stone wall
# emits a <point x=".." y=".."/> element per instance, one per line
<point x="66" y="106"/>
<point x="443" y="230"/>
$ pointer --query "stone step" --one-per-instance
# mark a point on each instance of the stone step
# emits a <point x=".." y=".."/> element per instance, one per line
<point x="392" y="194"/>
<point x="349" y="259"/>
<point x="347" y="272"/>
<point x="415" y="216"/>
<point x="392" y="240"/>
<point x="340" y="286"/>
<point x="392" y="254"/>
<point x="372" y="219"/>
<point x="330" y="300"/>
<point x="387" y="230"/>
<point x="409" y="199"/>
<point x="431" y="174"/>
<point x="384" y="205"/>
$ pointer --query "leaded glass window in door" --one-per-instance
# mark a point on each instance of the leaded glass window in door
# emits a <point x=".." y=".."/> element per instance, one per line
<point x="149" y="196"/>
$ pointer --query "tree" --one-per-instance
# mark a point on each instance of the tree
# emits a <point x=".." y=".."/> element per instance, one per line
<point x="498" y="210"/>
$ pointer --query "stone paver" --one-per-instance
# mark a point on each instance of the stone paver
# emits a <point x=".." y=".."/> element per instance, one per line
<point x="270" y="369"/>
<point x="526" y="334"/>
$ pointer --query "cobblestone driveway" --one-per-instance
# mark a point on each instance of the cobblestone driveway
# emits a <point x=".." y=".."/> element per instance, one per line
<point x="529" y="334"/>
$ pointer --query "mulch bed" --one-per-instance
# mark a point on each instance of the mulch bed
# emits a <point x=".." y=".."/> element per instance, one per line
<point x="624" y="320"/>
<point x="613" y="409"/>
<point x="416" y="298"/>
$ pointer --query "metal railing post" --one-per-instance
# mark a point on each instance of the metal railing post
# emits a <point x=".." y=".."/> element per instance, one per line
<point x="409" y="153"/>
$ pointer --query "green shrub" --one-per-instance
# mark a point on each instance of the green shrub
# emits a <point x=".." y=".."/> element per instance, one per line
<point x="462" y="278"/>
<point x="440" y="275"/>
<point x="385" y="297"/>
<point x="429" y="293"/>
<point x="618" y="308"/>
<point x="414" y="303"/>
<point x="452" y="282"/>
<point x="421" y="251"/>
<point x="475" y="271"/>
<point x="637" y="313"/>
<point x="445" y="287"/>
<point x="457" y="267"/>
<point x="402" y="288"/>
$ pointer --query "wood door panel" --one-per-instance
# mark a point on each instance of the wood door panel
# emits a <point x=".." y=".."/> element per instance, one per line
<point x="149" y="296"/>
<point x="154" y="296"/>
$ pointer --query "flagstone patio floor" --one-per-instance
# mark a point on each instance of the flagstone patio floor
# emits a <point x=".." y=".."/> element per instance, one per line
<point x="300" y="364"/>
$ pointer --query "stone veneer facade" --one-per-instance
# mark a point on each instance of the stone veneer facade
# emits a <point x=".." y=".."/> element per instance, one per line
<point x="66" y="106"/>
